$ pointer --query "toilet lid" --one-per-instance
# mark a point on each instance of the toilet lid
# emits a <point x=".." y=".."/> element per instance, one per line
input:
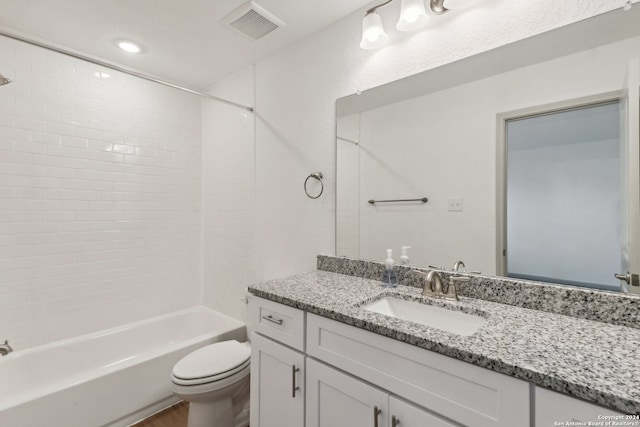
<point x="212" y="360"/>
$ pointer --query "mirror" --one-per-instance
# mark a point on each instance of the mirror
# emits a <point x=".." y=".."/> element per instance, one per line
<point x="436" y="135"/>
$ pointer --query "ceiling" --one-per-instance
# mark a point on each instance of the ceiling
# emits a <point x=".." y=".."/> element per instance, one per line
<point x="184" y="41"/>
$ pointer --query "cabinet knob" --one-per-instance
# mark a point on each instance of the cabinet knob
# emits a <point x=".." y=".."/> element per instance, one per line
<point x="395" y="422"/>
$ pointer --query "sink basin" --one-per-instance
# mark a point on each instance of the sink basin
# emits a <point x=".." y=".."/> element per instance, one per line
<point x="452" y="321"/>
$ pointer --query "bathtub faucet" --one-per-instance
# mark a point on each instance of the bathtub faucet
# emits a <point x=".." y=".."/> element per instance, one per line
<point x="5" y="348"/>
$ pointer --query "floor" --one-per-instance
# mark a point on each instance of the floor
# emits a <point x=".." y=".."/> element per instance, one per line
<point x="175" y="416"/>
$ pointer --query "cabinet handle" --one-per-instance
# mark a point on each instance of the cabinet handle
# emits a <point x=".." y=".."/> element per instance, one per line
<point x="272" y="319"/>
<point x="294" y="388"/>
<point x="395" y="422"/>
<point x="376" y="412"/>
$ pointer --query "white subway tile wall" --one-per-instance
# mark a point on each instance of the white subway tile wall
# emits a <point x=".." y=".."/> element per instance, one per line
<point x="100" y="197"/>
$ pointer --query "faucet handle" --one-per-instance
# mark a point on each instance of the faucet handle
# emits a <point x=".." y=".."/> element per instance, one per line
<point x="453" y="286"/>
<point x="5" y="348"/>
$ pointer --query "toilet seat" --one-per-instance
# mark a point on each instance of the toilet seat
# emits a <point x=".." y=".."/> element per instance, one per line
<point x="213" y="363"/>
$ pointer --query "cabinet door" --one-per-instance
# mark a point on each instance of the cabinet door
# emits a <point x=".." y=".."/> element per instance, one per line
<point x="277" y="384"/>
<point x="553" y="408"/>
<point x="335" y="399"/>
<point x="403" y="414"/>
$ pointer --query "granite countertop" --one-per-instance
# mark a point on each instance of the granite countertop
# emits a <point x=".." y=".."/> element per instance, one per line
<point x="590" y="360"/>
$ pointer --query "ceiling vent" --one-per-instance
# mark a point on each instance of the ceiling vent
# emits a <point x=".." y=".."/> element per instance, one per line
<point x="253" y="21"/>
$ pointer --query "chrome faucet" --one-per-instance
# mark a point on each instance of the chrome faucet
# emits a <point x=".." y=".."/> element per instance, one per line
<point x="457" y="265"/>
<point x="5" y="348"/>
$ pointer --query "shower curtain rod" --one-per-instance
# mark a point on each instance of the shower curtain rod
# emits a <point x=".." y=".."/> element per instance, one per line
<point x="122" y="70"/>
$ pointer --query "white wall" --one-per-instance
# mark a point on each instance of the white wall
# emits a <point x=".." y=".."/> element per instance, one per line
<point x="295" y="99"/>
<point x="99" y="198"/>
<point x="228" y="188"/>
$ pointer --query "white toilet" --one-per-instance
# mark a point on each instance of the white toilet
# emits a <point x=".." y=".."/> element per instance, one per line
<point x="215" y="381"/>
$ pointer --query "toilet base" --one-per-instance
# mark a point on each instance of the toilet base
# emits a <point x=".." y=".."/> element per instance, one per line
<point x="216" y="414"/>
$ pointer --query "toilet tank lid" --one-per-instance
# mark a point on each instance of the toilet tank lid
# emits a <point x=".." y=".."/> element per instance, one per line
<point x="213" y="359"/>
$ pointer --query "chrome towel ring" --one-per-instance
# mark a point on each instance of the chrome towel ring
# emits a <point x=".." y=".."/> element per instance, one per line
<point x="318" y="176"/>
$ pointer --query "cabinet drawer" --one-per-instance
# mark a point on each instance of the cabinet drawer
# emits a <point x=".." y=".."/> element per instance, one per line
<point x="279" y="322"/>
<point x="462" y="392"/>
<point x="554" y="408"/>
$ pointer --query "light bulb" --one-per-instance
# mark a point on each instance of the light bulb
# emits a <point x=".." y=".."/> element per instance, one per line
<point x="413" y="15"/>
<point x="129" y="46"/>
<point x="373" y="35"/>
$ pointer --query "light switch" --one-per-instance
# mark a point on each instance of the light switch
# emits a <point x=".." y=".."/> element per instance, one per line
<point x="455" y="205"/>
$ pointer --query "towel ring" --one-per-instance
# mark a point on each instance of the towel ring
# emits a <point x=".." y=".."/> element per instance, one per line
<point x="318" y="176"/>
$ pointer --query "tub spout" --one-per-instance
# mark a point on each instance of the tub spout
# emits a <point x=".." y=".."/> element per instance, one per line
<point x="5" y="348"/>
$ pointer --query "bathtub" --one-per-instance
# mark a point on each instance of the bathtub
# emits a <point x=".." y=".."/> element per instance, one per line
<point x="113" y="377"/>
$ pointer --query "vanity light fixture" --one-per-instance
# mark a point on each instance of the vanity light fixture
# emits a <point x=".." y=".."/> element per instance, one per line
<point x="373" y="35"/>
<point x="413" y="16"/>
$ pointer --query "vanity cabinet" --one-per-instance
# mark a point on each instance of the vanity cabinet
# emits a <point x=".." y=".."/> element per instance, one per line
<point x="277" y="384"/>
<point x="307" y="370"/>
<point x="553" y="408"/>
<point x="277" y="365"/>
<point x="455" y="390"/>
<point x="337" y="399"/>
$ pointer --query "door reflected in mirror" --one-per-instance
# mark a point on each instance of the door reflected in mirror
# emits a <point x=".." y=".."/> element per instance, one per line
<point x="564" y="195"/>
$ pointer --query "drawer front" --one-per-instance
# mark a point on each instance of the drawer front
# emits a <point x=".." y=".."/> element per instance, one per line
<point x="464" y="393"/>
<point x="279" y="322"/>
<point x="553" y="408"/>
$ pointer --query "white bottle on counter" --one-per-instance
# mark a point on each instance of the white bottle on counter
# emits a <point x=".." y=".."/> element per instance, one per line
<point x="404" y="257"/>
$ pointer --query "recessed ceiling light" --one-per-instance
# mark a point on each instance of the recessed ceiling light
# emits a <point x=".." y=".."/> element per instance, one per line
<point x="129" y="46"/>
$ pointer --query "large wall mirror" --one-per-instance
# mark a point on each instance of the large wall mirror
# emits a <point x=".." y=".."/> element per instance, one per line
<point x="526" y="155"/>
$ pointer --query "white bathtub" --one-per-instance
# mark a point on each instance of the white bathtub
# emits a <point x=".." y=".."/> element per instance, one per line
<point x="109" y="378"/>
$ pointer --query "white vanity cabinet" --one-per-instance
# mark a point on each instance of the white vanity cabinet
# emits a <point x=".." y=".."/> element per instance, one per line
<point x="337" y="399"/>
<point x="277" y="370"/>
<point x="277" y="384"/>
<point x="553" y="408"/>
<point x="307" y="370"/>
<point x="451" y="389"/>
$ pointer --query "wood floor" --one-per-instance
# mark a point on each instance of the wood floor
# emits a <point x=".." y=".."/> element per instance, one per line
<point x="175" y="416"/>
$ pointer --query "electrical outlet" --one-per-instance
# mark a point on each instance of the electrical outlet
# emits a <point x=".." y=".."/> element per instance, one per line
<point x="455" y="205"/>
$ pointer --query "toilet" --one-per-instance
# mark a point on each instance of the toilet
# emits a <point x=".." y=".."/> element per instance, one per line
<point x="215" y="381"/>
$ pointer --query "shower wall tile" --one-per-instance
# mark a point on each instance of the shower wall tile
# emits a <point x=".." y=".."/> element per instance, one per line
<point x="100" y="197"/>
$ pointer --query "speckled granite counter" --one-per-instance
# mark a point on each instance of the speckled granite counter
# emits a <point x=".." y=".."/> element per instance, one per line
<point x="590" y="360"/>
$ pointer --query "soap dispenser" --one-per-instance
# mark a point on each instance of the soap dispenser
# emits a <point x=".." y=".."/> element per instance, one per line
<point x="404" y="258"/>
<point x="390" y="278"/>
